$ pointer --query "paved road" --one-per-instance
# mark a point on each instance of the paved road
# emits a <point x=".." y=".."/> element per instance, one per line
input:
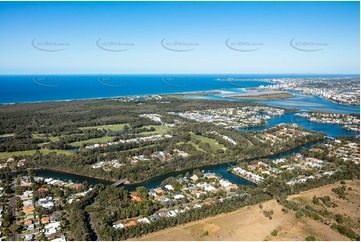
<point x="13" y="211"/>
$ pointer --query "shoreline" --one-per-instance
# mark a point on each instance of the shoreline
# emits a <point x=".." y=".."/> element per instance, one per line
<point x="263" y="96"/>
<point x="230" y="170"/>
<point x="114" y="97"/>
<point x="62" y="172"/>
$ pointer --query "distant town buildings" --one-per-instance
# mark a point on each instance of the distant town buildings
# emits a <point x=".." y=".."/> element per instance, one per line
<point x="340" y="90"/>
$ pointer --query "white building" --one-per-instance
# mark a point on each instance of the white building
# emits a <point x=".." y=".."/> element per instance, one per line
<point x="51" y="228"/>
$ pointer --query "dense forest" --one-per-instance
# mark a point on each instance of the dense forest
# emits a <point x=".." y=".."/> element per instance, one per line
<point x="59" y="125"/>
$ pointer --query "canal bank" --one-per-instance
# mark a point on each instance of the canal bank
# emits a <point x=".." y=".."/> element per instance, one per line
<point x="220" y="169"/>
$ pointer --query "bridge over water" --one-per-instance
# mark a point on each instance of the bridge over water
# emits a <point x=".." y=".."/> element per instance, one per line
<point x="120" y="182"/>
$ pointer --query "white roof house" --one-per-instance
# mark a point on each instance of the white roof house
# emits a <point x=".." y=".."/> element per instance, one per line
<point x="169" y="187"/>
<point x="118" y="226"/>
<point x="143" y="220"/>
<point x="51" y="228"/>
<point x="46" y="202"/>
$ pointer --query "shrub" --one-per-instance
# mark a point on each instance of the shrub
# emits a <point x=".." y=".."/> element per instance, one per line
<point x="344" y="231"/>
<point x="339" y="218"/>
<point x="340" y="191"/>
<point x="274" y="232"/>
<point x="299" y="214"/>
<point x="315" y="200"/>
<point x="268" y="213"/>
<point x="310" y="238"/>
<point x="284" y="210"/>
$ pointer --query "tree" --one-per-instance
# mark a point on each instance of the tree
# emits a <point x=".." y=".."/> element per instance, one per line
<point x="142" y="191"/>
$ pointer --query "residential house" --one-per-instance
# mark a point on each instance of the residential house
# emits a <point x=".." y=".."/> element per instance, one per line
<point x="130" y="224"/>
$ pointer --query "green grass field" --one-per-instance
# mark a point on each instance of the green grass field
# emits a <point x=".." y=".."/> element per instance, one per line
<point x="159" y="129"/>
<point x="212" y="142"/>
<point x="92" y="141"/>
<point x="111" y="127"/>
<point x="4" y="155"/>
<point x="39" y="136"/>
<point x="194" y="145"/>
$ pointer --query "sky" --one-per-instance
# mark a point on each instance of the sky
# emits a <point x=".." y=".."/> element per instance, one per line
<point x="179" y="37"/>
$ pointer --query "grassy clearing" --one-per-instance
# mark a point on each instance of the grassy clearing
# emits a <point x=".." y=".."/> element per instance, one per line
<point x="40" y="136"/>
<point x="6" y="135"/>
<point x="159" y="129"/>
<point x="111" y="127"/>
<point x="191" y="143"/>
<point x="4" y="155"/>
<point x="212" y="142"/>
<point x="92" y="141"/>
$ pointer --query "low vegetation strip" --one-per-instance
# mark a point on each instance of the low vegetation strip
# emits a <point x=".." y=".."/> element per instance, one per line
<point x="112" y="127"/>
<point x="4" y="155"/>
<point x="264" y="96"/>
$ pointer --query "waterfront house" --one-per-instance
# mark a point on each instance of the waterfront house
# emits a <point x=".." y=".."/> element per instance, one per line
<point x="159" y="191"/>
<point x="194" y="178"/>
<point x="152" y="192"/>
<point x="209" y="175"/>
<point x="169" y="187"/>
<point x="77" y="186"/>
<point x="136" y="199"/>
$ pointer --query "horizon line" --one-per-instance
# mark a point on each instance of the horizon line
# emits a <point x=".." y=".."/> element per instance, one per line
<point x="23" y="74"/>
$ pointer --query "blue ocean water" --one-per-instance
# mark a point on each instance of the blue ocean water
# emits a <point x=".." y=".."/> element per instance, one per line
<point x="18" y="89"/>
<point x="39" y="88"/>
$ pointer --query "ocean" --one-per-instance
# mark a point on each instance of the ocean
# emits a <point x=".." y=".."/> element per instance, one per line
<point x="42" y="88"/>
